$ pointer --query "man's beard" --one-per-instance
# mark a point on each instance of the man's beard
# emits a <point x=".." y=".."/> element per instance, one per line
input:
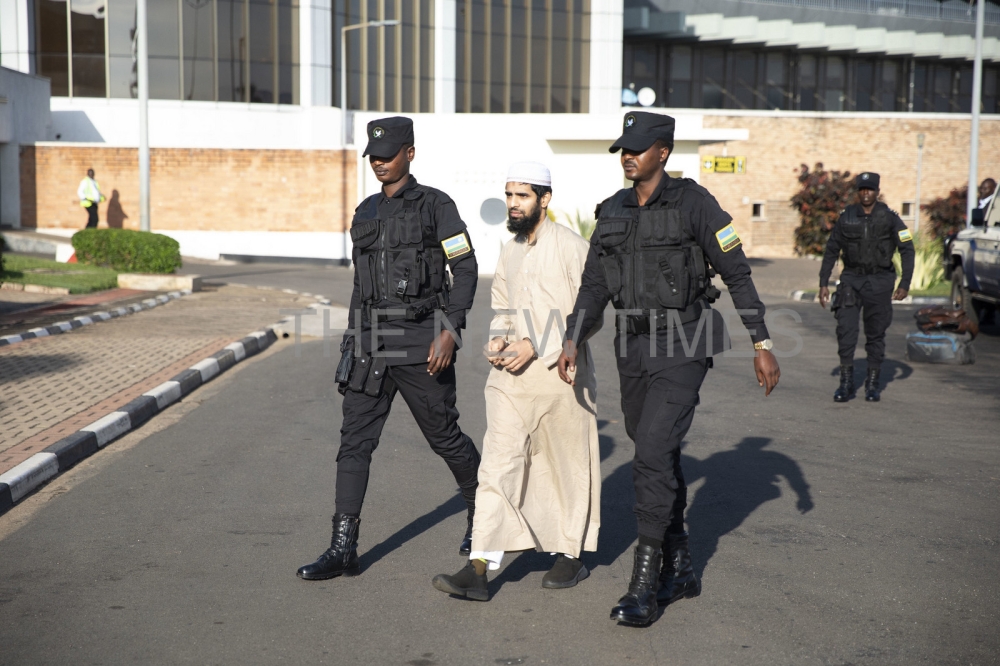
<point x="523" y="227"/>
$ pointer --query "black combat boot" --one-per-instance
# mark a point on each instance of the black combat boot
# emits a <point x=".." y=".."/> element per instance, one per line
<point x="677" y="577"/>
<point x="468" y="582"/>
<point x="638" y="607"/>
<point x="341" y="559"/>
<point x="566" y="572"/>
<point x="846" y="390"/>
<point x="873" y="392"/>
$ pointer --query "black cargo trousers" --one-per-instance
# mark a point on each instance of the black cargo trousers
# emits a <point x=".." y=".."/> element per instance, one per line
<point x="873" y="302"/>
<point x="659" y="408"/>
<point x="431" y="400"/>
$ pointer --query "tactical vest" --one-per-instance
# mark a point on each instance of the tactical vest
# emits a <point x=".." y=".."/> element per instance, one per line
<point x="867" y="244"/>
<point x="651" y="261"/>
<point x="401" y="266"/>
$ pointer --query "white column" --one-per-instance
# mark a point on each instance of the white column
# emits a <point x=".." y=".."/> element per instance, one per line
<point x="10" y="184"/>
<point x="14" y="35"/>
<point x="606" y="26"/>
<point x="320" y="56"/>
<point x="444" y="56"/>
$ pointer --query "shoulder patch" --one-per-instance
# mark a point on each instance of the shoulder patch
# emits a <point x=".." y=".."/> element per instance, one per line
<point x="728" y="238"/>
<point x="456" y="246"/>
<point x="905" y="235"/>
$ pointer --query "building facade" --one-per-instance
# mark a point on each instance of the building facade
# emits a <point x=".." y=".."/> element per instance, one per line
<point x="246" y="118"/>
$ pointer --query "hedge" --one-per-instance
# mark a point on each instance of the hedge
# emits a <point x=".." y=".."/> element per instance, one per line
<point x="127" y="251"/>
<point x="1" y="253"/>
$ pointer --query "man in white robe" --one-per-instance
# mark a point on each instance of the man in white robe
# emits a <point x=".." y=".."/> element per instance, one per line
<point x="539" y="479"/>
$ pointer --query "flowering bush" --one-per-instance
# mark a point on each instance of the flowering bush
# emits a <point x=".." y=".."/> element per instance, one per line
<point x="822" y="197"/>
<point x="947" y="214"/>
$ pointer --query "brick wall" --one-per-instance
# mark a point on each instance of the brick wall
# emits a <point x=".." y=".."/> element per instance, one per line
<point x="192" y="189"/>
<point x="887" y="145"/>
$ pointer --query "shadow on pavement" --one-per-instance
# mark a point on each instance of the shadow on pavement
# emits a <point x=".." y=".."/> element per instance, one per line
<point x="425" y="522"/>
<point x="737" y="482"/>
<point x="34" y="365"/>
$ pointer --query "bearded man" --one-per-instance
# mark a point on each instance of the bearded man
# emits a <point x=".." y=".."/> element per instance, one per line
<point x="539" y="479"/>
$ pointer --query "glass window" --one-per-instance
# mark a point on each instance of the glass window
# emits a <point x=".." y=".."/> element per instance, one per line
<point x="123" y="81"/>
<point x="52" y="44"/>
<point x="713" y="78"/>
<point x="581" y="56"/>
<point x="518" y="55"/>
<point x="889" y="85"/>
<point x="807" y="83"/>
<point x="680" y="76"/>
<point x="742" y="79"/>
<point x="87" y="20"/>
<point x="560" y="56"/>
<point x="989" y="94"/>
<point x="833" y="98"/>
<point x="777" y="95"/>
<point x="262" y="56"/>
<point x="541" y="54"/>
<point x="426" y="32"/>
<point x="232" y="51"/>
<point x="964" y="101"/>
<point x="864" y="85"/>
<point x="942" y="89"/>
<point x="199" y="60"/>
<point x="164" y="49"/>
<point x="920" y="97"/>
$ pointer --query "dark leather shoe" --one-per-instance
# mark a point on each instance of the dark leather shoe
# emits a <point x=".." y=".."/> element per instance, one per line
<point x="677" y="577"/>
<point x="466" y="583"/>
<point x="566" y="572"/>
<point x="341" y="558"/>
<point x="873" y="392"/>
<point x="638" y="607"/>
<point x="466" y="547"/>
<point x="846" y="389"/>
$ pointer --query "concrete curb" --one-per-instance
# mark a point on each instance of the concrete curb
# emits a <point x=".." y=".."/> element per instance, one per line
<point x="20" y="481"/>
<point x="77" y="322"/>
<point x="812" y="297"/>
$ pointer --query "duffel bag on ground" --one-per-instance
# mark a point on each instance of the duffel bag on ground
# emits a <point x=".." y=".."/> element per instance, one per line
<point x="939" y="347"/>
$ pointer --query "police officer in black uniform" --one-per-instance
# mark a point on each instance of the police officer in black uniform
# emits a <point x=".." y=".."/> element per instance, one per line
<point x="402" y="333"/>
<point x="868" y="233"/>
<point x="652" y="255"/>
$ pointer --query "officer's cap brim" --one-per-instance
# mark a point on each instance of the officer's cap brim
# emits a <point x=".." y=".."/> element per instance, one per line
<point x="632" y="142"/>
<point x="385" y="150"/>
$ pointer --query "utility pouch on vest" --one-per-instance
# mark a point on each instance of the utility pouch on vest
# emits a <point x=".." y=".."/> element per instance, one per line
<point x="663" y="259"/>
<point x="407" y="273"/>
<point x="360" y="374"/>
<point x="844" y="297"/>
<point x="612" y="234"/>
<point x="363" y="236"/>
<point x="376" y="377"/>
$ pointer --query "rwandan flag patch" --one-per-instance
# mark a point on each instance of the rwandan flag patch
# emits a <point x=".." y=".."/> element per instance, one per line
<point x="905" y="235"/>
<point x="728" y="238"/>
<point x="456" y="246"/>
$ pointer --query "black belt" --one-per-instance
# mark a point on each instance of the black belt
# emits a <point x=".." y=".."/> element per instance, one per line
<point x="409" y="311"/>
<point x="640" y="324"/>
<point x="863" y="270"/>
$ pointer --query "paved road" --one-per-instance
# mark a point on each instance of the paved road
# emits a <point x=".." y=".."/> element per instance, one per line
<point x="825" y="534"/>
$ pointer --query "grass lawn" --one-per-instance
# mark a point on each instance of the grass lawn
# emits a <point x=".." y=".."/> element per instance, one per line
<point x="940" y="289"/>
<point x="78" y="278"/>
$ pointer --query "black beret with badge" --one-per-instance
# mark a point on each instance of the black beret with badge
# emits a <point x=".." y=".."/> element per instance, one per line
<point x="387" y="135"/>
<point x="866" y="181"/>
<point x="641" y="129"/>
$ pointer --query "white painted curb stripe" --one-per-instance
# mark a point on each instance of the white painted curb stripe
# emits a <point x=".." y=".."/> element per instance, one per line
<point x="111" y="426"/>
<point x="11" y="339"/>
<point x="238" y="351"/>
<point x="208" y="368"/>
<point x="166" y="394"/>
<point x="84" y="320"/>
<point x="65" y="326"/>
<point x="30" y="474"/>
<point x="39" y="332"/>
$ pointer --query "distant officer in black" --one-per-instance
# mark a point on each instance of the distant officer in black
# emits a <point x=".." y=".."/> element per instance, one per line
<point x="398" y="336"/>
<point x="868" y="233"/>
<point x="652" y="255"/>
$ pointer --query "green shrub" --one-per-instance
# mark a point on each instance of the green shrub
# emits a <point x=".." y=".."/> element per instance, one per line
<point x="928" y="271"/>
<point x="1" y="255"/>
<point x="127" y="251"/>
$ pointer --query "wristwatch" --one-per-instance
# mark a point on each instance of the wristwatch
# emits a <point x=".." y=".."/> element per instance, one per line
<point x="763" y="345"/>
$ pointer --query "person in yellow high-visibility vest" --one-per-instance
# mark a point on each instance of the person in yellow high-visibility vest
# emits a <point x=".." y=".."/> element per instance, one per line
<point x="90" y="195"/>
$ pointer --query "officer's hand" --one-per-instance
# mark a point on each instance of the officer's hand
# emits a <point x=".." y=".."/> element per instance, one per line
<point x="824" y="296"/>
<point x="493" y="349"/>
<point x="767" y="370"/>
<point x="440" y="353"/>
<point x="567" y="362"/>
<point x="900" y="294"/>
<point x="516" y="356"/>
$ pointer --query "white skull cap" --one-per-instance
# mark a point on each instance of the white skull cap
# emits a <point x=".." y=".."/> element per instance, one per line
<point x="533" y="173"/>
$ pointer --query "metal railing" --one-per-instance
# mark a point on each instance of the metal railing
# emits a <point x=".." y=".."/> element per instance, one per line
<point x="950" y="10"/>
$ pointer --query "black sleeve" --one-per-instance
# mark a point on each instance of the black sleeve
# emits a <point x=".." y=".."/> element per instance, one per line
<point x="713" y="231"/>
<point x="831" y="254"/>
<point x="355" y="305"/>
<point x="592" y="298"/>
<point x="904" y="243"/>
<point x="464" y="267"/>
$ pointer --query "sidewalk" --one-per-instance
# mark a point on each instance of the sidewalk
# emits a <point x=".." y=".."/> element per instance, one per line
<point x="52" y="387"/>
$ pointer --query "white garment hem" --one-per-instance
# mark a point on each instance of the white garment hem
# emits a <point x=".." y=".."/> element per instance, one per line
<point x="493" y="558"/>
